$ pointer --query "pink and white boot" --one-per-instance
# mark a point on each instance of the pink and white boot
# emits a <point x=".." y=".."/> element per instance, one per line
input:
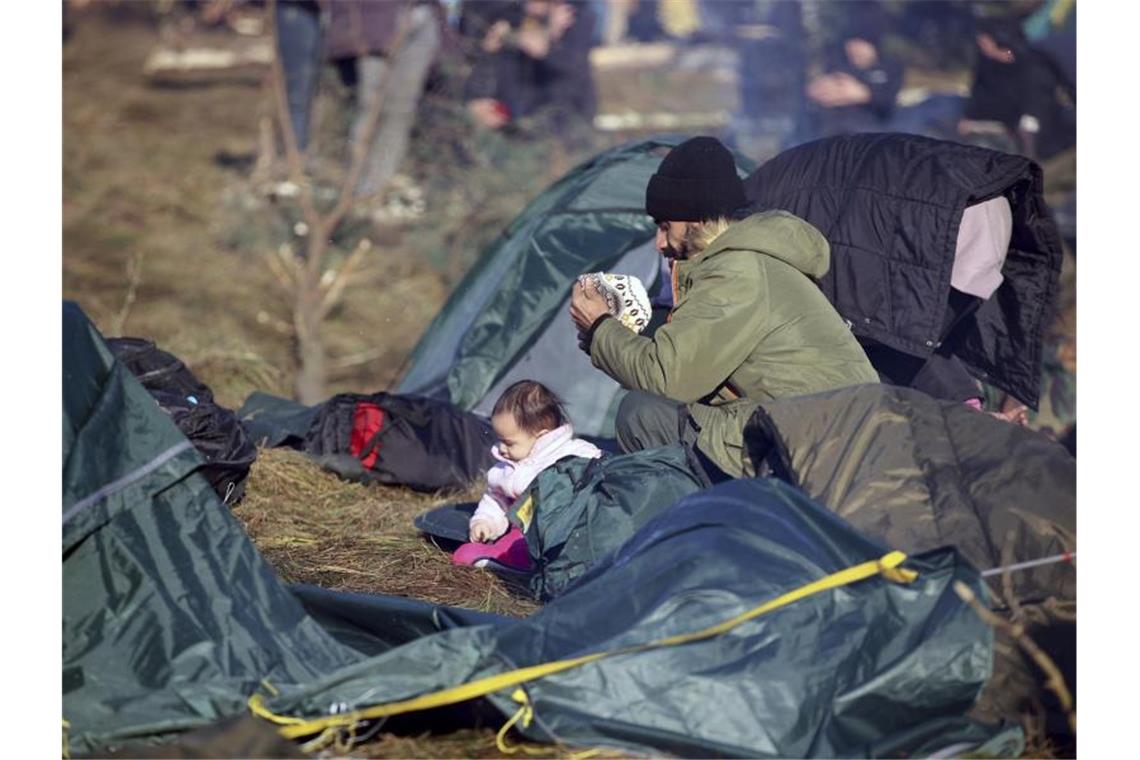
<point x="508" y="551"/>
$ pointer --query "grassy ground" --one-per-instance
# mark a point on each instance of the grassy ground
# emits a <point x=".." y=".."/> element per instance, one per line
<point x="315" y="528"/>
<point x="164" y="236"/>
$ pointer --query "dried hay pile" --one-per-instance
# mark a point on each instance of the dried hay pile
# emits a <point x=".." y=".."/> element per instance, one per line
<point x="314" y="528"/>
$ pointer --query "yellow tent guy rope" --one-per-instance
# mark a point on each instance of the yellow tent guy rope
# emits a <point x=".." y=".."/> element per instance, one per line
<point x="293" y="728"/>
<point x="585" y="754"/>
<point x="526" y="713"/>
<point x="324" y="739"/>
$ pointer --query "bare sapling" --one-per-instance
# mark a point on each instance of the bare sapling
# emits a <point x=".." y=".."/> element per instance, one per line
<point x="312" y="284"/>
<point x="134" y="281"/>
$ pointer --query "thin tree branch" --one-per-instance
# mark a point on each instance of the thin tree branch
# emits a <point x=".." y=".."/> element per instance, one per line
<point x="340" y="280"/>
<point x="134" y="279"/>
<point x="284" y="272"/>
<point x="361" y="357"/>
<point x="280" y="325"/>
<point x="313" y="299"/>
<point x="1055" y="681"/>
<point x="1007" y="559"/>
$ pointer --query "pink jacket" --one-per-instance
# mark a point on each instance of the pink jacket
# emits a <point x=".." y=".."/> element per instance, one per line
<point x="507" y="479"/>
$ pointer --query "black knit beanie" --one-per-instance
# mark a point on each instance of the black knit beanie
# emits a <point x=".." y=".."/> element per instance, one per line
<point x="695" y="182"/>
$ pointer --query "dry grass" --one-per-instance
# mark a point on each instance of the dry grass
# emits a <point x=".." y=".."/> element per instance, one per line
<point x="467" y="743"/>
<point x="315" y="528"/>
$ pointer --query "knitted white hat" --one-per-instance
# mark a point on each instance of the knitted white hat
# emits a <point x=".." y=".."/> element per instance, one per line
<point x="625" y="296"/>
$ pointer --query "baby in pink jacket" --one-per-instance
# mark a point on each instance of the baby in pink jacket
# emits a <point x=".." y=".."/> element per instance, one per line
<point x="533" y="434"/>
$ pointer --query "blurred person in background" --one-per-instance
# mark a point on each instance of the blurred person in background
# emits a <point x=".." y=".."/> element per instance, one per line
<point x="381" y="50"/>
<point x="364" y="43"/>
<point x="771" y="48"/>
<point x="530" y="57"/>
<point x="857" y="89"/>
<point x="1028" y="85"/>
<point x="480" y="27"/>
<point x="299" y="48"/>
<point x="613" y="19"/>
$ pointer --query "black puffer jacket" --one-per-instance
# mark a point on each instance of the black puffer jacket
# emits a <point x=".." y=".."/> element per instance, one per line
<point x="890" y="205"/>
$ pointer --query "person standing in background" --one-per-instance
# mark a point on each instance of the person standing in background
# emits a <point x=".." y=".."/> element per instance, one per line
<point x="381" y="49"/>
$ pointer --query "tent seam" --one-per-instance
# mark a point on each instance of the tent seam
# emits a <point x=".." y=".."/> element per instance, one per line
<point x="127" y="479"/>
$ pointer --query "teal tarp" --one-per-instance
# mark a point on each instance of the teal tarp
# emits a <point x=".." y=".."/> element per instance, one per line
<point x="583" y="509"/>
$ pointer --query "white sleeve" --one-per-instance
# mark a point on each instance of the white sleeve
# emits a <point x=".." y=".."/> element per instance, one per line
<point x="491" y="514"/>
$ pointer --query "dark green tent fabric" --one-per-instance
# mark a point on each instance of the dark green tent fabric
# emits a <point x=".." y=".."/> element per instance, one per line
<point x="373" y="624"/>
<point x="274" y="421"/>
<point x="171" y="618"/>
<point x="874" y="668"/>
<point x="918" y="473"/>
<point x="507" y="320"/>
<point x="583" y="509"/>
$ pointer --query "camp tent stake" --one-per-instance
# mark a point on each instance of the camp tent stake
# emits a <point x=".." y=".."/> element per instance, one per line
<point x="1066" y="557"/>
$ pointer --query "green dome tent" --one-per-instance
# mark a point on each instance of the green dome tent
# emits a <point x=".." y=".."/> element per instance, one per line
<point x="509" y="320"/>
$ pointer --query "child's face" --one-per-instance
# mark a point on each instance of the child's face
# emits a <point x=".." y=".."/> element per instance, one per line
<point x="514" y="443"/>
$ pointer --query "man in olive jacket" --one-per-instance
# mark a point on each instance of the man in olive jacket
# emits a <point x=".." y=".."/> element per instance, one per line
<point x="748" y="322"/>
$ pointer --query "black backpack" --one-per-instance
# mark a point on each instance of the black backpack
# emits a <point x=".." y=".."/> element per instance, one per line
<point x="419" y="442"/>
<point x="214" y="430"/>
<point x="158" y="370"/>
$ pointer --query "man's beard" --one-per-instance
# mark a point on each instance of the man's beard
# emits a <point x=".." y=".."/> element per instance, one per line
<point x="685" y="247"/>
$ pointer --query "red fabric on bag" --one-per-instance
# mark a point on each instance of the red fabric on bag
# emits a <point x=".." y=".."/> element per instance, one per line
<point x="367" y="421"/>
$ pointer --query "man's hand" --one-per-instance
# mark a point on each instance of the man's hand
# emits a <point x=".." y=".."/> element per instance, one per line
<point x="479" y="532"/>
<point x="533" y="41"/>
<point x="493" y="39"/>
<point x="1014" y="412"/>
<point x="992" y="50"/>
<point x="586" y="305"/>
<point x="487" y="113"/>
<point x="838" y="89"/>
<point x="561" y="19"/>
